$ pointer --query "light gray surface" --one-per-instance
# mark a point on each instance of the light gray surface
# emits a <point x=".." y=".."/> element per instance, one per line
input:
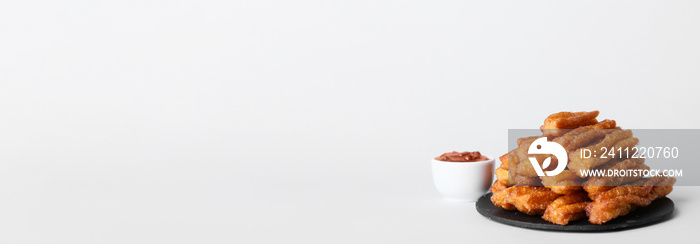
<point x="276" y="121"/>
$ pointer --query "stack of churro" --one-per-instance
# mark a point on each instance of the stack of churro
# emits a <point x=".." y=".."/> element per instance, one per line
<point x="570" y="195"/>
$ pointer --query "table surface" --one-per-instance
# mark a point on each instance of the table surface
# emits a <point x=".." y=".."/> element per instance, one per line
<point x="260" y="204"/>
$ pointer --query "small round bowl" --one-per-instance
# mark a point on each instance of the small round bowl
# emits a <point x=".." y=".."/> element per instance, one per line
<point x="463" y="181"/>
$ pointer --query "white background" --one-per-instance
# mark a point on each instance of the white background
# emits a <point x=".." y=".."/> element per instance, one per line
<point x="311" y="121"/>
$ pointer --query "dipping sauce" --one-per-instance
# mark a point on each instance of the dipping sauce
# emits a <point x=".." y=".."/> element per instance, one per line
<point x="455" y="156"/>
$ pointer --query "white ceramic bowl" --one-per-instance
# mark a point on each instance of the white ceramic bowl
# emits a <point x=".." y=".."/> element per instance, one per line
<point x="463" y="181"/>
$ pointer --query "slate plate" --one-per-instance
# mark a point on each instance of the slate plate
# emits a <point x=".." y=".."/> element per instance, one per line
<point x="659" y="209"/>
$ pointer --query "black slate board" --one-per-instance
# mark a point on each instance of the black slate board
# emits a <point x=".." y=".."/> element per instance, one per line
<point x="659" y="209"/>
